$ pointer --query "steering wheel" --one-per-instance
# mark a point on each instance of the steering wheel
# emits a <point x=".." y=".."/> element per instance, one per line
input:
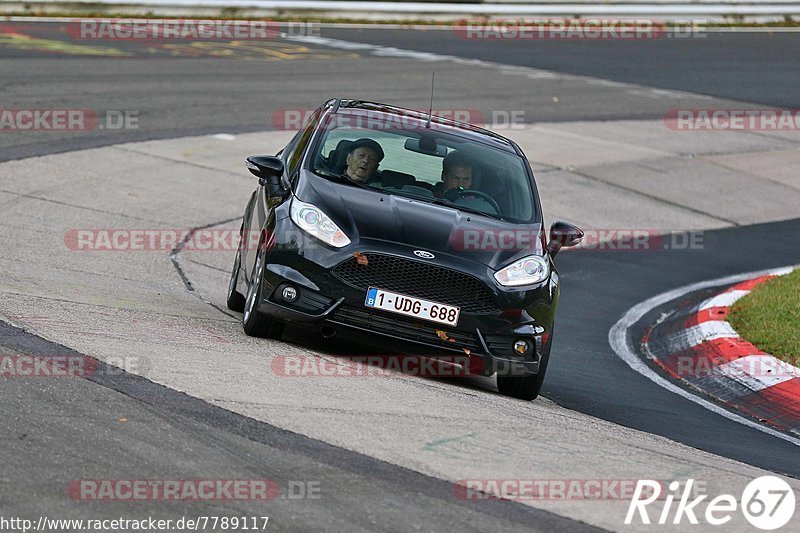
<point x="482" y="195"/>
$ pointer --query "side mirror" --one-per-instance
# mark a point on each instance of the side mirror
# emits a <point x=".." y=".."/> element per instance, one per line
<point x="563" y="235"/>
<point x="269" y="171"/>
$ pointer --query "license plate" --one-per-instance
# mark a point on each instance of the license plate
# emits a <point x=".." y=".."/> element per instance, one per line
<point x="410" y="306"/>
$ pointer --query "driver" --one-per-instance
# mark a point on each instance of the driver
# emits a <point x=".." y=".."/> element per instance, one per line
<point x="456" y="174"/>
<point x="362" y="161"/>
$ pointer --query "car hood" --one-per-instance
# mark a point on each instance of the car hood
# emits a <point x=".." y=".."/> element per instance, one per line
<point x="366" y="215"/>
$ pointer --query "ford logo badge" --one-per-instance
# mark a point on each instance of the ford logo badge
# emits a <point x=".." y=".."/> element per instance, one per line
<point x="423" y="254"/>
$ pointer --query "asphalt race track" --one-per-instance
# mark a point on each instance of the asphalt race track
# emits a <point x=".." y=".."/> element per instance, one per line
<point x="210" y="95"/>
<point x="175" y="422"/>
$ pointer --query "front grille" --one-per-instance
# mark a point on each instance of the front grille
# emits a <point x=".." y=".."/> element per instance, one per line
<point x="405" y="328"/>
<point x="415" y="278"/>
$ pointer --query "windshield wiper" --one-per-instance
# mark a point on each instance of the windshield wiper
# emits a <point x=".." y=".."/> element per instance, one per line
<point x="442" y="201"/>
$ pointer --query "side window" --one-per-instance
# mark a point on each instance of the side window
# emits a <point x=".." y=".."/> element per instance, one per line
<point x="286" y="152"/>
<point x="293" y="154"/>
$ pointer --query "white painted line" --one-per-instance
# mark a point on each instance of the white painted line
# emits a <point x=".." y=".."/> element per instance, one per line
<point x="783" y="271"/>
<point x="618" y="339"/>
<point x="224" y="137"/>
<point x="528" y="72"/>
<point x="725" y="299"/>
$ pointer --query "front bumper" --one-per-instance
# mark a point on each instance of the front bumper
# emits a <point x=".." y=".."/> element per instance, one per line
<point x="487" y="336"/>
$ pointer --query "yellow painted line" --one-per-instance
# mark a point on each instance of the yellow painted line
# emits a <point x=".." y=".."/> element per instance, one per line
<point x="264" y="50"/>
<point x="275" y="51"/>
<point x="19" y="41"/>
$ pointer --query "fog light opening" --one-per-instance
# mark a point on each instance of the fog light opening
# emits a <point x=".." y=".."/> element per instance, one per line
<point x="289" y="293"/>
<point x="522" y="346"/>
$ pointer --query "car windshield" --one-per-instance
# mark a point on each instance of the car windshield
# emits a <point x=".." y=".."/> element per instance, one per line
<point x="429" y="165"/>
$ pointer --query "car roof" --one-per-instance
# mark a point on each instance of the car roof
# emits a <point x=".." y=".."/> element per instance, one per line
<point x="453" y="127"/>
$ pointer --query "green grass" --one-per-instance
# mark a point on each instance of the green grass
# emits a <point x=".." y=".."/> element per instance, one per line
<point x="769" y="317"/>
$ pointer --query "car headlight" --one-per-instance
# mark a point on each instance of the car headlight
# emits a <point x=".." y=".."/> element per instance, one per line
<point x="314" y="221"/>
<point x="527" y="271"/>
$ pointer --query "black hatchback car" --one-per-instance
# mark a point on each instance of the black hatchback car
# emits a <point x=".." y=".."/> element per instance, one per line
<point x="405" y="229"/>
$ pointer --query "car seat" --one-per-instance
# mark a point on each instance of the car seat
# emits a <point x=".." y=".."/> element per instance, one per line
<point x="337" y="159"/>
<point x="392" y="178"/>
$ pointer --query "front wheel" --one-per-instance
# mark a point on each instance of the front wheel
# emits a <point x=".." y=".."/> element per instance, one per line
<point x="525" y="387"/>
<point x="254" y="322"/>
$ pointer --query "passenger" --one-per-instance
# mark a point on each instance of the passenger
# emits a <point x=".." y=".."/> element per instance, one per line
<point x="456" y="174"/>
<point x="362" y="161"/>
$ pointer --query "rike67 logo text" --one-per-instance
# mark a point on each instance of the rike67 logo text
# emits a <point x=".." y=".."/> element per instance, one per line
<point x="767" y="502"/>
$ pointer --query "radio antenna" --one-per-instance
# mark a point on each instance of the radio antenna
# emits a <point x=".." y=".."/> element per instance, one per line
<point x="430" y="109"/>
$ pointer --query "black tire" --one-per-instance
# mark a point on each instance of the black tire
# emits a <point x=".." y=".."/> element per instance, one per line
<point x="235" y="300"/>
<point x="525" y="387"/>
<point x="254" y="322"/>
